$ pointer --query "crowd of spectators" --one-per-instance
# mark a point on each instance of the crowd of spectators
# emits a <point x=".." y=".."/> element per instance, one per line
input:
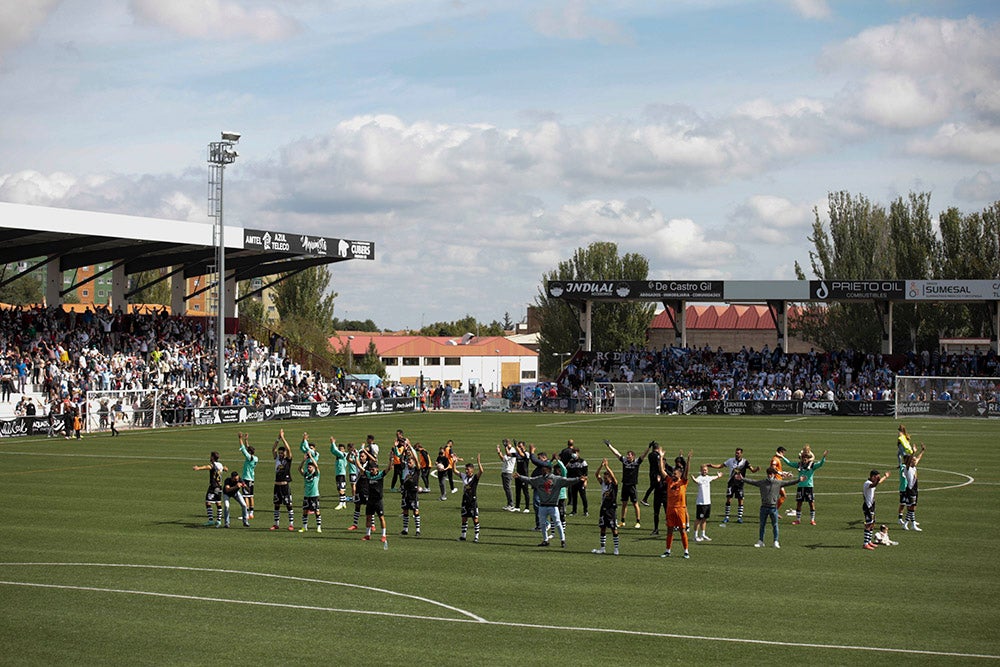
<point x="51" y="357"/>
<point x="766" y="374"/>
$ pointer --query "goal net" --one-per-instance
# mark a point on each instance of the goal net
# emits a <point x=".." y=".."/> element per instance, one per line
<point x="947" y="396"/>
<point x="127" y="408"/>
<point x="636" y="398"/>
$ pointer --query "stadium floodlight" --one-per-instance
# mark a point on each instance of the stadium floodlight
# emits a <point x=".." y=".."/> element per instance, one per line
<point x="220" y="153"/>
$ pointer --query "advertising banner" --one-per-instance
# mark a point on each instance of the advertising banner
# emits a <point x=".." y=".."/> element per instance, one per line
<point x="952" y="290"/>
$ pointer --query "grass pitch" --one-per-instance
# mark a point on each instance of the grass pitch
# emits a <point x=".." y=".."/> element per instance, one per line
<point x="105" y="559"/>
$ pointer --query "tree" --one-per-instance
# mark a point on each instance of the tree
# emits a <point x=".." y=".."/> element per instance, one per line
<point x="864" y="241"/>
<point x="371" y="363"/>
<point x="355" y="325"/>
<point x="158" y="293"/>
<point x="304" y="296"/>
<point x="26" y="290"/>
<point x="615" y="325"/>
<point x="508" y="324"/>
<point x="467" y="324"/>
<point x="306" y="310"/>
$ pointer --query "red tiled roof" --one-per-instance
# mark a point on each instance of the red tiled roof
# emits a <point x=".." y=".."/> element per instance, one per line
<point x="724" y="317"/>
<point x="429" y="346"/>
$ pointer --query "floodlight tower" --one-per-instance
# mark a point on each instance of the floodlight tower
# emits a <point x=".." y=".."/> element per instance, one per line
<point x="220" y="153"/>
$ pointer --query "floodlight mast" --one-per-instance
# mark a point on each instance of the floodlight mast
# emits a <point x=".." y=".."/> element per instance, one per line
<point x="220" y="153"/>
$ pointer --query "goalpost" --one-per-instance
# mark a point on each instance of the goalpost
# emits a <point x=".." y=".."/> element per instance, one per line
<point x="636" y="398"/>
<point x="132" y="408"/>
<point x="940" y="396"/>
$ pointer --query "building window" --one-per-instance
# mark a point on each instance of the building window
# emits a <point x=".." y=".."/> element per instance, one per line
<point x="85" y="293"/>
<point x="100" y="292"/>
<point x="411" y="361"/>
<point x="453" y="361"/>
<point x="432" y="361"/>
<point x="197" y="306"/>
<point x="527" y="375"/>
<point x="390" y="361"/>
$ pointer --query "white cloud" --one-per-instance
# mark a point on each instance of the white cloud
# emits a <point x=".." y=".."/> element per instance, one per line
<point x="919" y="70"/>
<point x="981" y="187"/>
<point x="960" y="141"/>
<point x="20" y="19"/>
<point x="773" y="220"/>
<point x="574" y="21"/>
<point x="214" y="19"/>
<point x="811" y="9"/>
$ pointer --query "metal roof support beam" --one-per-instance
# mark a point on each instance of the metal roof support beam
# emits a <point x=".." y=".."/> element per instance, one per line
<point x="272" y="283"/>
<point x="779" y="315"/>
<point x="133" y="292"/>
<point x="677" y="312"/>
<point x="28" y="270"/>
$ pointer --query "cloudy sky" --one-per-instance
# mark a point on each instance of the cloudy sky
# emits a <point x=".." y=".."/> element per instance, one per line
<point x="479" y="143"/>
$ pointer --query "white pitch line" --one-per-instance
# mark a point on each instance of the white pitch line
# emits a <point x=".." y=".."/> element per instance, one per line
<point x="480" y="621"/>
<point x="585" y="421"/>
<point x="262" y="574"/>
<point x="797" y="419"/>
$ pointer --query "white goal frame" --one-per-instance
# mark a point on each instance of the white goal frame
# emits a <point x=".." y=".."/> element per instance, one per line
<point x="140" y="409"/>
<point x="633" y="398"/>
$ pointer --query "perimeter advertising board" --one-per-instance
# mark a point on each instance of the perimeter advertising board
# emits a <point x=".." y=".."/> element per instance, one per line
<point x="952" y="290"/>
<point x="622" y="290"/>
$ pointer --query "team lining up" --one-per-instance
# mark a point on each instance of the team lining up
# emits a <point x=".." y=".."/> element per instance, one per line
<point x="557" y="483"/>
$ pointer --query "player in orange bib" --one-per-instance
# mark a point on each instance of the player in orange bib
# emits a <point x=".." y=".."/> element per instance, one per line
<point x="677" y="516"/>
<point x="776" y="464"/>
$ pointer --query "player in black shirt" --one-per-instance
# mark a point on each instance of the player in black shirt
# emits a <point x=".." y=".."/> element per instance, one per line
<point x="653" y="458"/>
<point x="374" y="508"/>
<point x="630" y="480"/>
<point x="609" y="507"/>
<point x="282" y="480"/>
<point x="470" y="504"/>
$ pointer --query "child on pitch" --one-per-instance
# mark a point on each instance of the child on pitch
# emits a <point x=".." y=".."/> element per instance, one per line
<point x="214" y="494"/>
<point x="703" y="502"/>
<point x="309" y="470"/>
<point x="608" y="517"/>
<point x="882" y="537"/>
<point x="374" y="507"/>
<point x="233" y="488"/>
<point x="249" y="470"/>
<point x="470" y="504"/>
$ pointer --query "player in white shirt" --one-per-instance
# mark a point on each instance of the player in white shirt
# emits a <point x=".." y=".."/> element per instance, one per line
<point x="703" y="503"/>
<point x="868" y="505"/>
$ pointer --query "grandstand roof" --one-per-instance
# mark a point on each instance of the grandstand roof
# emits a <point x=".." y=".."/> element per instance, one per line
<point x="723" y="317"/>
<point x="82" y="238"/>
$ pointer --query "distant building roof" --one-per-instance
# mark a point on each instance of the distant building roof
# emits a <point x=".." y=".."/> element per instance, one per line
<point x="390" y="345"/>
<point x="724" y="317"/>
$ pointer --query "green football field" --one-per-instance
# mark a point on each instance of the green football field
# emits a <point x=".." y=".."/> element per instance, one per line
<point x="105" y="559"/>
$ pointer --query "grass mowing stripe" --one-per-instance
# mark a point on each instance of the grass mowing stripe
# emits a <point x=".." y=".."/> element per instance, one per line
<point x="509" y="624"/>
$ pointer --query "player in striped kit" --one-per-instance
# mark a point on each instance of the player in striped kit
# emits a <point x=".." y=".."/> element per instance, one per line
<point x="868" y="505"/>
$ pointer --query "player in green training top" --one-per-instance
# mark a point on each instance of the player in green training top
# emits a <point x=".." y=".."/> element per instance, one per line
<point x="340" y="453"/>
<point x="309" y="470"/>
<point x="807" y="465"/>
<point x="249" y="467"/>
